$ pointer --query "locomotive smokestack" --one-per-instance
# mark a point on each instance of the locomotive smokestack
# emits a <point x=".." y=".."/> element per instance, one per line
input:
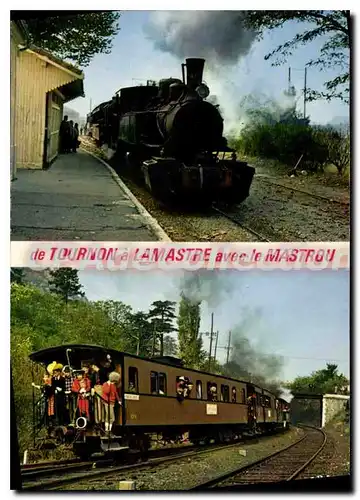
<point x="194" y="71"/>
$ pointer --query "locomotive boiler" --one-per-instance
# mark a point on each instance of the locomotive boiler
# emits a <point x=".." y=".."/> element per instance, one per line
<point x="173" y="138"/>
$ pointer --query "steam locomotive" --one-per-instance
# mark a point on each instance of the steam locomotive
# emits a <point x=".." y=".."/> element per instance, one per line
<point x="172" y="138"/>
<point x="149" y="405"/>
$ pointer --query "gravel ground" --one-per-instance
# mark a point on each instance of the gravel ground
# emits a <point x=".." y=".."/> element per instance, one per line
<point x="275" y="212"/>
<point x="285" y="215"/>
<point x="187" y="473"/>
<point x="334" y="460"/>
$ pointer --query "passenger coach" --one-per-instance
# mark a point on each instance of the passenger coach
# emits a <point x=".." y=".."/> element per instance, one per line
<point x="160" y="396"/>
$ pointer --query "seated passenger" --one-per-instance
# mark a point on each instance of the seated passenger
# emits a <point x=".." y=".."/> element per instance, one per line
<point x="233" y="395"/>
<point x="132" y="387"/>
<point x="81" y="387"/>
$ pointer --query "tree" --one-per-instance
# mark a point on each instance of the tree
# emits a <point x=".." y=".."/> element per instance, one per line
<point x="170" y="347"/>
<point x="336" y="146"/>
<point x="190" y="341"/>
<point x="65" y="282"/>
<point x="162" y="314"/>
<point x="325" y="381"/>
<point x="139" y="334"/>
<point x="16" y="275"/>
<point x="334" y="26"/>
<point x="39" y="320"/>
<point x="76" y="37"/>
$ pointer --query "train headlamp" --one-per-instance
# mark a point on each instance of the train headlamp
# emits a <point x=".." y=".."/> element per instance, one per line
<point x="203" y="91"/>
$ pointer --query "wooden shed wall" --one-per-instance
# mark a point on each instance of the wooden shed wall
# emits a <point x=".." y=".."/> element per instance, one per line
<point x="34" y="78"/>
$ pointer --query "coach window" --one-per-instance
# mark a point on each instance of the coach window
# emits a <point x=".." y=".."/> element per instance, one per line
<point x="162" y="384"/>
<point x="198" y="389"/>
<point x="243" y="396"/>
<point x="225" y="393"/>
<point x="153" y="382"/>
<point x="212" y="391"/>
<point x="133" y="379"/>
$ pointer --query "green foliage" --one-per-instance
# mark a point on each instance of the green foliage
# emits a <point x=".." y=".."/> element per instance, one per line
<point x="190" y="342"/>
<point x="334" y="146"/>
<point x="65" y="282"/>
<point x="76" y="37"/>
<point x="16" y="275"/>
<point x="281" y="134"/>
<point x="162" y="315"/>
<point x="333" y="26"/>
<point x="325" y="381"/>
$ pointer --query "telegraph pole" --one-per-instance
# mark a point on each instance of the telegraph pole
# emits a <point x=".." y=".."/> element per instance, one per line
<point x="90" y="104"/>
<point x="211" y="338"/>
<point x="305" y="88"/>
<point x="216" y="343"/>
<point x="228" y="348"/>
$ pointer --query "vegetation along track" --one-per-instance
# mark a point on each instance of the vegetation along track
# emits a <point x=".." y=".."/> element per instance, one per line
<point x="67" y="475"/>
<point x="284" y="465"/>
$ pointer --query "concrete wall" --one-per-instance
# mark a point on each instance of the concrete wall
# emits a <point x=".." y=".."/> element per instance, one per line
<point x="332" y="405"/>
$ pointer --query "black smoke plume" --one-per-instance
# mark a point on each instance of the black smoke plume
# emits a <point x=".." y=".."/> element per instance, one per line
<point x="247" y="361"/>
<point x="212" y="287"/>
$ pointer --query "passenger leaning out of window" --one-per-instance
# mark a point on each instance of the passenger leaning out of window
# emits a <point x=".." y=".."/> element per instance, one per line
<point x="180" y="388"/>
<point x="111" y="396"/>
<point x="213" y="393"/>
<point x="188" y="387"/>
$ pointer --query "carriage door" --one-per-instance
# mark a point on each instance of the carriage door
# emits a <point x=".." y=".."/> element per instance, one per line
<point x="251" y="402"/>
<point x="119" y="408"/>
<point x="52" y="127"/>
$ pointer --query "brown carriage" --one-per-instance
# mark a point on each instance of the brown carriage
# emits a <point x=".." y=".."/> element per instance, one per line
<point x="212" y="407"/>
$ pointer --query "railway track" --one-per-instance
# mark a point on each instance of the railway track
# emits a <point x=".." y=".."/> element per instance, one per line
<point x="64" y="475"/>
<point x="284" y="465"/>
<point x="269" y="180"/>
<point x="44" y="465"/>
<point x="233" y="219"/>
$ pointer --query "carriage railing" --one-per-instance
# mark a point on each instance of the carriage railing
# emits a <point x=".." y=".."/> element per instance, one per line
<point x="42" y="419"/>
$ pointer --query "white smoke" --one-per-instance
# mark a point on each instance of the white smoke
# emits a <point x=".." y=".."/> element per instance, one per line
<point x="219" y="37"/>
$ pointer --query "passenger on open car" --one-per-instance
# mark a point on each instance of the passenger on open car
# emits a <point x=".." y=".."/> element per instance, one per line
<point x="58" y="389"/>
<point x="81" y="387"/>
<point x="96" y="392"/>
<point x="111" y="396"/>
<point x="69" y="400"/>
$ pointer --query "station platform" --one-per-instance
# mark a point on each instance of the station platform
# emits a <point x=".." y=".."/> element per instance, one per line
<point x="78" y="198"/>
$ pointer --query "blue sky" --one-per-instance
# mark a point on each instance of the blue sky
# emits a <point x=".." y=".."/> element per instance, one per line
<point x="134" y="57"/>
<point x="301" y="315"/>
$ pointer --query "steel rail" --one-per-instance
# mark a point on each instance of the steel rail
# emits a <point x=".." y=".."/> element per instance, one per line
<point x="235" y="221"/>
<point x="54" y="484"/>
<point x="222" y="477"/>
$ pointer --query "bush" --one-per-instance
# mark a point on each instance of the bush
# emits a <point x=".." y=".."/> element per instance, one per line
<point x="287" y="141"/>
